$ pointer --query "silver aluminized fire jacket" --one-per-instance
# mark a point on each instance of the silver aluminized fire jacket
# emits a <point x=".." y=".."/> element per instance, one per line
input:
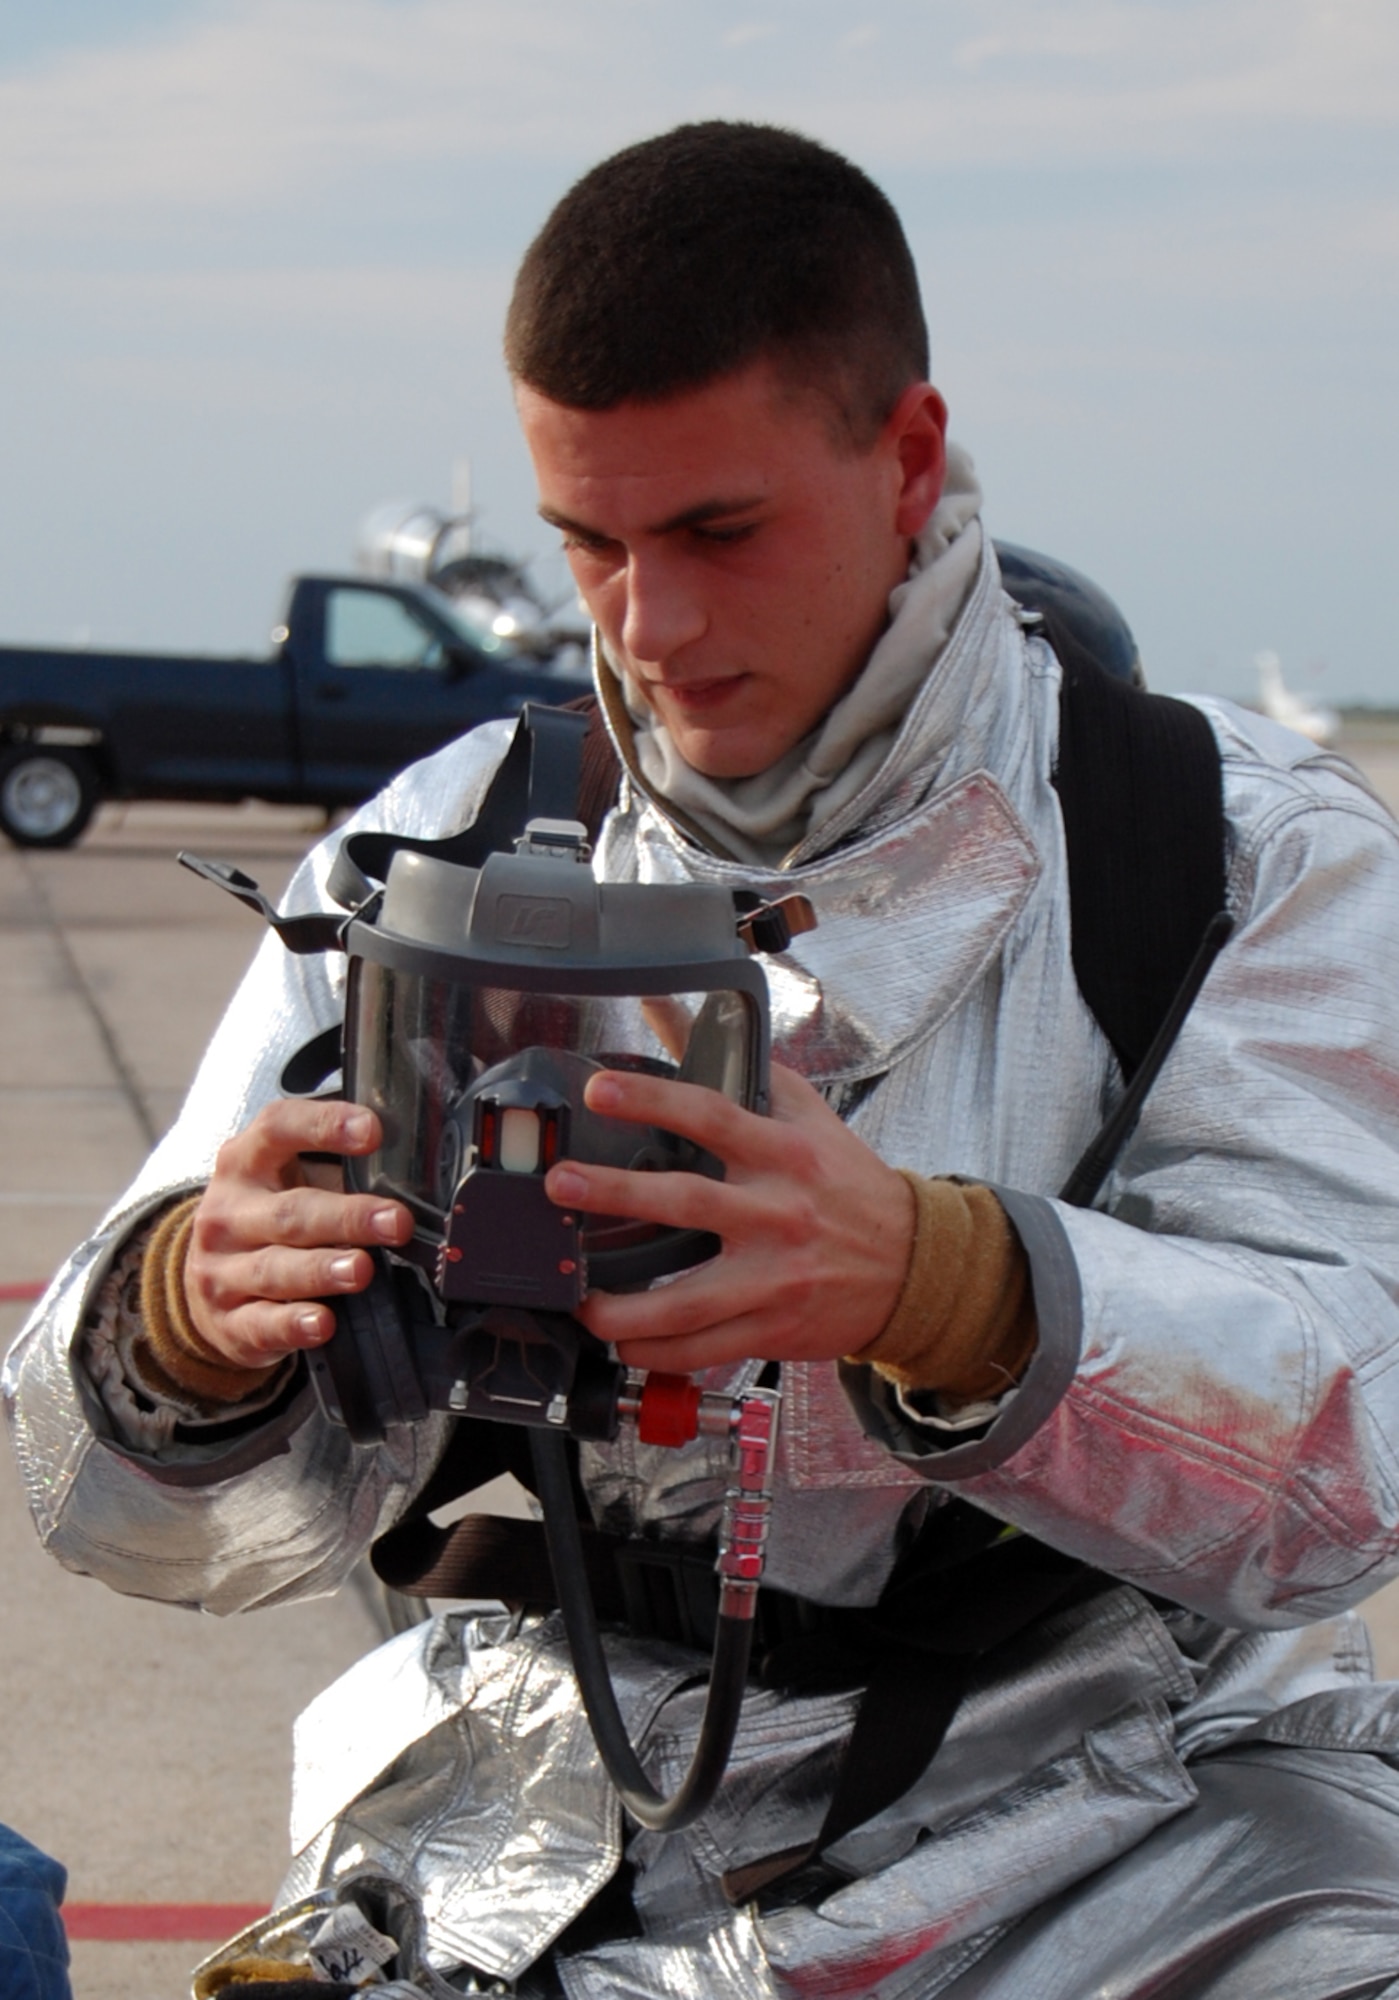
<point x="1136" y="1799"/>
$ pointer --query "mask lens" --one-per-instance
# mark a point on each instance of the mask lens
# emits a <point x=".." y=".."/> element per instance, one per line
<point x="445" y="1065"/>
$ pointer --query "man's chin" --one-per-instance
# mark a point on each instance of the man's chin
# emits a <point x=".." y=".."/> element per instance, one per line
<point x="719" y="753"/>
<point x="713" y="735"/>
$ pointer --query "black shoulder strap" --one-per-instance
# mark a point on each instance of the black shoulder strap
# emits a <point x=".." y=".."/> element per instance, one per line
<point x="600" y="773"/>
<point x="1141" y="791"/>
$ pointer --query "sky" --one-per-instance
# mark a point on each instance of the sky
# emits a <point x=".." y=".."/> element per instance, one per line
<point x="255" y="255"/>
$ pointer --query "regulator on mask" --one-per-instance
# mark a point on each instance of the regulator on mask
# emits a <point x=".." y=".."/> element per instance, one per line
<point x="490" y="976"/>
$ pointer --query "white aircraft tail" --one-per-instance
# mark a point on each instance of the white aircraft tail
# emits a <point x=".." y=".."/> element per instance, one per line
<point x="1296" y="711"/>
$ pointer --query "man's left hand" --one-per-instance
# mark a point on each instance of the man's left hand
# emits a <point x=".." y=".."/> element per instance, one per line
<point x="816" y="1230"/>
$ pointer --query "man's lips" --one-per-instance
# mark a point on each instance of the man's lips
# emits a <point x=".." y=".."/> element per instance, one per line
<point x="696" y="696"/>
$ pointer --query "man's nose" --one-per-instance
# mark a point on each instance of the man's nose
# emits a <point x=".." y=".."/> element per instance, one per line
<point x="664" y="611"/>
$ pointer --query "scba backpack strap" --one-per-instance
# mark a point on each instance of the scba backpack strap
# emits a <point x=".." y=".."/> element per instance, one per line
<point x="1142" y="796"/>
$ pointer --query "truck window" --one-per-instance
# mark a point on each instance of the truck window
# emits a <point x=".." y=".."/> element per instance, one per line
<point x="364" y="628"/>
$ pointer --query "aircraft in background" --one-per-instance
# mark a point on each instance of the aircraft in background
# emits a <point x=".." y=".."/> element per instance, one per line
<point x="1296" y="711"/>
<point x="408" y="542"/>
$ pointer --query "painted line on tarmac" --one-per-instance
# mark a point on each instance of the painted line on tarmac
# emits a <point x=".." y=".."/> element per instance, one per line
<point x="79" y="983"/>
<point x="157" y="1923"/>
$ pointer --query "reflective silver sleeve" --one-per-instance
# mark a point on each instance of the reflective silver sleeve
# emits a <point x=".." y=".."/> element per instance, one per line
<point x="1214" y="1408"/>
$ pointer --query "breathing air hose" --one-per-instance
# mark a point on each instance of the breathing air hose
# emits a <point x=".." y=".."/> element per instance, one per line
<point x="740" y="1565"/>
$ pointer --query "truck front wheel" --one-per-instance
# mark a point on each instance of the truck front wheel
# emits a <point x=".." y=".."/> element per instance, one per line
<point x="47" y="794"/>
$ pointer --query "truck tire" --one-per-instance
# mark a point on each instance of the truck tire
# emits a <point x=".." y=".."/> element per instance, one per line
<point x="48" y="794"/>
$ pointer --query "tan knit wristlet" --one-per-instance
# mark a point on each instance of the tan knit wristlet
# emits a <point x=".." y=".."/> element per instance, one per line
<point x="965" y="1320"/>
<point x="173" y="1354"/>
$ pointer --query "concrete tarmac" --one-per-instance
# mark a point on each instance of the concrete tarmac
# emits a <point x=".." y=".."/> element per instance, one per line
<point x="146" y="1747"/>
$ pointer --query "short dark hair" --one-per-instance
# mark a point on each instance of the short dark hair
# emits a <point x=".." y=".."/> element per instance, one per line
<point x="713" y="246"/>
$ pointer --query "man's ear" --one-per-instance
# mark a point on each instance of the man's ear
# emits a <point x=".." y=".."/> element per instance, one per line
<point x="917" y="432"/>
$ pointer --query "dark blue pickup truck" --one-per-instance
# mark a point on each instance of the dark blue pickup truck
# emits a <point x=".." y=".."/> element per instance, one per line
<point x="364" y="676"/>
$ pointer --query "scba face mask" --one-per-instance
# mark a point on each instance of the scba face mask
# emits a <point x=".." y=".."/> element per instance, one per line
<point x="480" y="1003"/>
<point x="489" y="977"/>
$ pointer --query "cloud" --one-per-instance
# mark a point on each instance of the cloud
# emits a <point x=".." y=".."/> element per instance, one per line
<point x="265" y="103"/>
<point x="746" y="32"/>
<point x="276" y="97"/>
<point x="1099" y="81"/>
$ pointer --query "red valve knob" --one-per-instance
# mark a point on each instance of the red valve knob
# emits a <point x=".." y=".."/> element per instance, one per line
<point x="669" y="1412"/>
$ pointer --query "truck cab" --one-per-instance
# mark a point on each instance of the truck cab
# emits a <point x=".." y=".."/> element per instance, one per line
<point x="387" y="672"/>
<point x="365" y="675"/>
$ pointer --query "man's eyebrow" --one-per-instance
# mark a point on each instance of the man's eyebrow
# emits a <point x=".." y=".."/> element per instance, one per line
<point x="689" y="517"/>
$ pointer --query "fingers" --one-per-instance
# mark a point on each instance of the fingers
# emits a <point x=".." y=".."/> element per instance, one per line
<point x="816" y="1230"/>
<point x="267" y="1246"/>
<point x="699" y="1113"/>
<point x="692" y="1110"/>
<point x="259" y="1334"/>
<point x="271" y="1273"/>
<point x="749" y="1301"/>
<point x="253" y="1299"/>
<point x="669" y="1021"/>
<point x="778" y="1272"/>
<point x="791" y="1097"/>
<point x="676" y="1200"/>
<point x="735" y="1340"/>
<point x="750" y="1147"/>
<point x="268" y="1303"/>
<point x="241" y="1216"/>
<point x="281" y="1131"/>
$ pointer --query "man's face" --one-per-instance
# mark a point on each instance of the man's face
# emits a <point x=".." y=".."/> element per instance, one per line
<point x="736" y="557"/>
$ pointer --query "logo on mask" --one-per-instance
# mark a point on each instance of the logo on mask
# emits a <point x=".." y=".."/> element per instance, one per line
<point x="542" y="921"/>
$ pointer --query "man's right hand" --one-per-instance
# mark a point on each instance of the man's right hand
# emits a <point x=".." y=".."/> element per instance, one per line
<point x="268" y="1243"/>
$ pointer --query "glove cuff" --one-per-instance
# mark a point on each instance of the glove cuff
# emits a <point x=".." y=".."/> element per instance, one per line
<point x="964" y="1324"/>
